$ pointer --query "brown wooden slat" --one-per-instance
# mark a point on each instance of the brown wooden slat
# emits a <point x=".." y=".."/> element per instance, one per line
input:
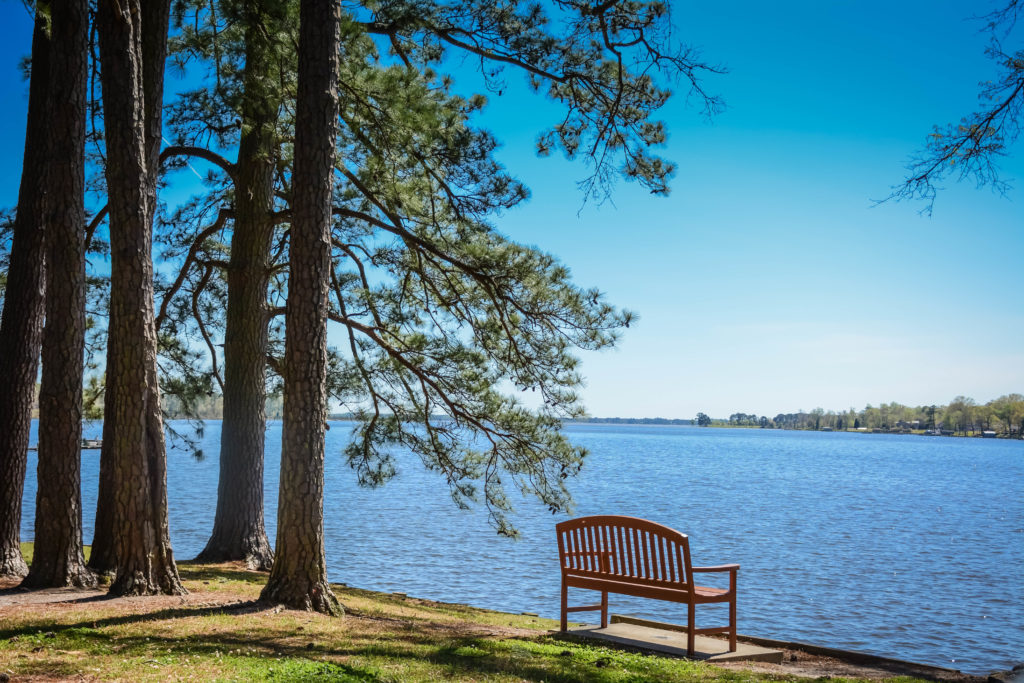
<point x="628" y="549"/>
<point x="581" y="541"/>
<point x="661" y="558"/>
<point x="617" y="557"/>
<point x="649" y="556"/>
<point x="580" y="547"/>
<point x="652" y="549"/>
<point x="606" y="536"/>
<point x="583" y="608"/>
<point x="623" y="553"/>
<point x="591" y="564"/>
<point x="574" y="544"/>
<point x="643" y="554"/>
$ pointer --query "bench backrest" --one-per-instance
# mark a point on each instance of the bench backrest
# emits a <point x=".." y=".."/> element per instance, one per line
<point x="629" y="547"/>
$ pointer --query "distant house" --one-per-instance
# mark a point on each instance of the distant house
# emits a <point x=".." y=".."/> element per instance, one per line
<point x="988" y="434"/>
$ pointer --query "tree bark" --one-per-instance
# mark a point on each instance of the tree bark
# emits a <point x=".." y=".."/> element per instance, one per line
<point x="58" y="559"/>
<point x="238" y="528"/>
<point x="22" y="324"/>
<point x="144" y="559"/>
<point x="299" y="575"/>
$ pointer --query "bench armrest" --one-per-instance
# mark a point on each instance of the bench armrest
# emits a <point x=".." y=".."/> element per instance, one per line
<point x="731" y="568"/>
<point x="718" y="568"/>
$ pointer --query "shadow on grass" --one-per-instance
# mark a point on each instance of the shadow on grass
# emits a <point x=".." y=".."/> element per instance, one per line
<point x="291" y="654"/>
<point x="247" y="607"/>
<point x="191" y="571"/>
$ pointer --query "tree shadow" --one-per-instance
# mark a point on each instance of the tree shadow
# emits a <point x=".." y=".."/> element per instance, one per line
<point x="246" y="607"/>
<point x="470" y="656"/>
<point x="192" y="571"/>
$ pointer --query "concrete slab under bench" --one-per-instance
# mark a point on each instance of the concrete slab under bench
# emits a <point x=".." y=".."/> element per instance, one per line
<point x="671" y="639"/>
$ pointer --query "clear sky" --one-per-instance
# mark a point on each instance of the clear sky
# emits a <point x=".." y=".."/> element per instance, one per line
<point x="768" y="282"/>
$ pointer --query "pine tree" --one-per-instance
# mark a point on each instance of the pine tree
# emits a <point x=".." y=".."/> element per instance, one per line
<point x="22" y="324"/>
<point x="417" y="263"/>
<point x="131" y="34"/>
<point x="299" y="575"/>
<point x="58" y="558"/>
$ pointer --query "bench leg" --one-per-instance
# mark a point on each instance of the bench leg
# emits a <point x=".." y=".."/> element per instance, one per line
<point x="732" y="623"/>
<point x="604" y="609"/>
<point x="565" y="606"/>
<point x="691" y="626"/>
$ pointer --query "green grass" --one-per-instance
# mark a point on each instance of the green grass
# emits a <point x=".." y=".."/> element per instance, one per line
<point x="219" y="632"/>
<point x="28" y="551"/>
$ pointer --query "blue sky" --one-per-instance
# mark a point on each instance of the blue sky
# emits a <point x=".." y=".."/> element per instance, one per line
<point x="768" y="282"/>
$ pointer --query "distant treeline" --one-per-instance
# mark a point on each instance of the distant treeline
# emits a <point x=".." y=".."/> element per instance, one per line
<point x="962" y="415"/>
<point x="212" y="407"/>
<point x="634" y="421"/>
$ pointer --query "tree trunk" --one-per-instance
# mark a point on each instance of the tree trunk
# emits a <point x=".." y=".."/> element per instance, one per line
<point x="145" y="561"/>
<point x="154" y="21"/>
<point x="238" y="527"/>
<point x="22" y="324"/>
<point x="58" y="559"/>
<point x="299" y="575"/>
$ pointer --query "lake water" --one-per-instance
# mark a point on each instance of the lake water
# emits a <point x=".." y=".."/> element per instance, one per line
<point x="904" y="546"/>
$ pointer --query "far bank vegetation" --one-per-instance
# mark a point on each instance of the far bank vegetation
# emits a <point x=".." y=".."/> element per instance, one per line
<point x="963" y="416"/>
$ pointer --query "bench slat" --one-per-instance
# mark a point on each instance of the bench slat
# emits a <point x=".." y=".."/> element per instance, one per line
<point x="641" y="543"/>
<point x="683" y="578"/>
<point x="662" y="549"/>
<point x="623" y="557"/>
<point x="659" y="583"/>
<point x="584" y="608"/>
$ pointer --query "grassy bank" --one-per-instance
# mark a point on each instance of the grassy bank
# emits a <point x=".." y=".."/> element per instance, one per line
<point x="219" y="632"/>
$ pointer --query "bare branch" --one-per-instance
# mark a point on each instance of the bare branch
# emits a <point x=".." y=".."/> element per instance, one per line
<point x="193" y="252"/>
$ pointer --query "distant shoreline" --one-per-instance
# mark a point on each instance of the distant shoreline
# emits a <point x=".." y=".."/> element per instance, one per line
<point x="864" y="430"/>
<point x="668" y="422"/>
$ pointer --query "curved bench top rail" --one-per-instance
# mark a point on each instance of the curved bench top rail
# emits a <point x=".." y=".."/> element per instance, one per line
<point x="616" y="545"/>
<point x="619" y="520"/>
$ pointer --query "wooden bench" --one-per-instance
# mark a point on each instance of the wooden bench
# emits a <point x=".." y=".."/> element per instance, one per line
<point x="632" y="556"/>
